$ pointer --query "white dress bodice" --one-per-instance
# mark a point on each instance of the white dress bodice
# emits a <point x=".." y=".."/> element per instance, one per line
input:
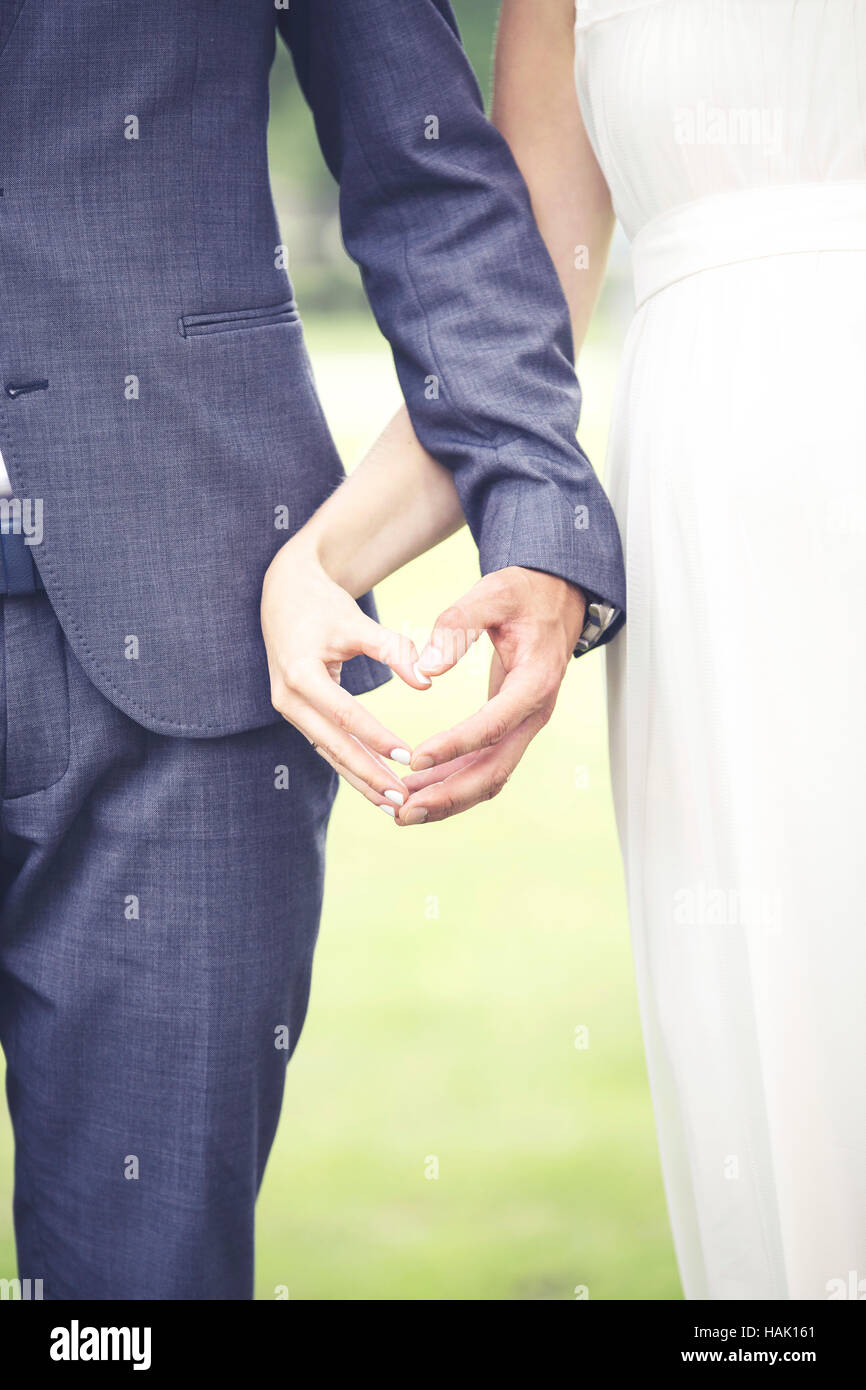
<point x="688" y="98"/>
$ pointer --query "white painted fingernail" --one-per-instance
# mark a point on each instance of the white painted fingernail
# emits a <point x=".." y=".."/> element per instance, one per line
<point x="421" y="675"/>
<point x="397" y="797"/>
<point x="401" y="755"/>
<point x="389" y="810"/>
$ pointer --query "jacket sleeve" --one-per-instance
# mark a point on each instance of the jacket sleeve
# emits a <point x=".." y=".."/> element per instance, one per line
<point x="437" y="216"/>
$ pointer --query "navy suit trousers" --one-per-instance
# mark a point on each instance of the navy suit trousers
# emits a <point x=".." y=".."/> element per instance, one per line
<point x="160" y="906"/>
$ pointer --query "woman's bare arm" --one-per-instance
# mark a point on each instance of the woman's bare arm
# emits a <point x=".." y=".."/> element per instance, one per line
<point x="397" y="504"/>
<point x="535" y="106"/>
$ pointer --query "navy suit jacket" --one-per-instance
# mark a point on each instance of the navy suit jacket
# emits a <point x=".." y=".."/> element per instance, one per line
<point x="141" y="279"/>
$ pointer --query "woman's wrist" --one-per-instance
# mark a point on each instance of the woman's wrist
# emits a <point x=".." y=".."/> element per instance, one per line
<point x="310" y="553"/>
<point x="339" y="556"/>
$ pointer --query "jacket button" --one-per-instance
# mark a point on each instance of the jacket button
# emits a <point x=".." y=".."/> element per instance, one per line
<point x="23" y="388"/>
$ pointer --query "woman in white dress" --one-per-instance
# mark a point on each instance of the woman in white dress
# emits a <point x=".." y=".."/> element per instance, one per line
<point x="729" y="136"/>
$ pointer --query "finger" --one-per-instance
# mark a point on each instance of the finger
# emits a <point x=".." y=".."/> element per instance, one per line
<point x="480" y="780"/>
<point x="389" y="803"/>
<point x="317" y="688"/>
<point x="392" y="648"/>
<point x="339" y="747"/>
<point x="416" y="781"/>
<point x="519" y="697"/>
<point x="497" y="675"/>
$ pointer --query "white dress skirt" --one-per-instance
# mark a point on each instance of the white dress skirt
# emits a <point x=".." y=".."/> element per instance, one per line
<point x="733" y="137"/>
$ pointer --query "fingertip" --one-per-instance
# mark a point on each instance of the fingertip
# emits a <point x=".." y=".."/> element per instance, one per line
<point x="416" y="680"/>
<point x="432" y="658"/>
<point x="422" y="762"/>
<point x="402" y="650"/>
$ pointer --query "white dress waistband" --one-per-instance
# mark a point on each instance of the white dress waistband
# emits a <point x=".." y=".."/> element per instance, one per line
<point x="747" y="225"/>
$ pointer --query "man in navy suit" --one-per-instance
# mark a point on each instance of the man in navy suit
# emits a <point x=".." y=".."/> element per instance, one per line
<point x="163" y="828"/>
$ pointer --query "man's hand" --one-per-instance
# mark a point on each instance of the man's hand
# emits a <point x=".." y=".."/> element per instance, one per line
<point x="534" y="621"/>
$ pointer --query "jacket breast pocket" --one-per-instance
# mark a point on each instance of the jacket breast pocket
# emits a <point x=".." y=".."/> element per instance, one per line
<point x="238" y="320"/>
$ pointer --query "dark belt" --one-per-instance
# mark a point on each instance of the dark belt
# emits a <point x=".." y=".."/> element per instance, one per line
<point x="18" y="572"/>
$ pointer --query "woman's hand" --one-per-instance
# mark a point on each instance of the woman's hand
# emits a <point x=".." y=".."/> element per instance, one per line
<point x="311" y="626"/>
<point x="398" y="503"/>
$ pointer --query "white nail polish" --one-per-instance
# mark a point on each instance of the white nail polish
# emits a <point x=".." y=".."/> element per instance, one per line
<point x="400" y="755"/>
<point x="389" y="810"/>
<point x="421" y="675"/>
<point x="397" y="797"/>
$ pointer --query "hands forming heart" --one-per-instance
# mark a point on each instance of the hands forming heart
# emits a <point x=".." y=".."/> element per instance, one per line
<point x="311" y="626"/>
